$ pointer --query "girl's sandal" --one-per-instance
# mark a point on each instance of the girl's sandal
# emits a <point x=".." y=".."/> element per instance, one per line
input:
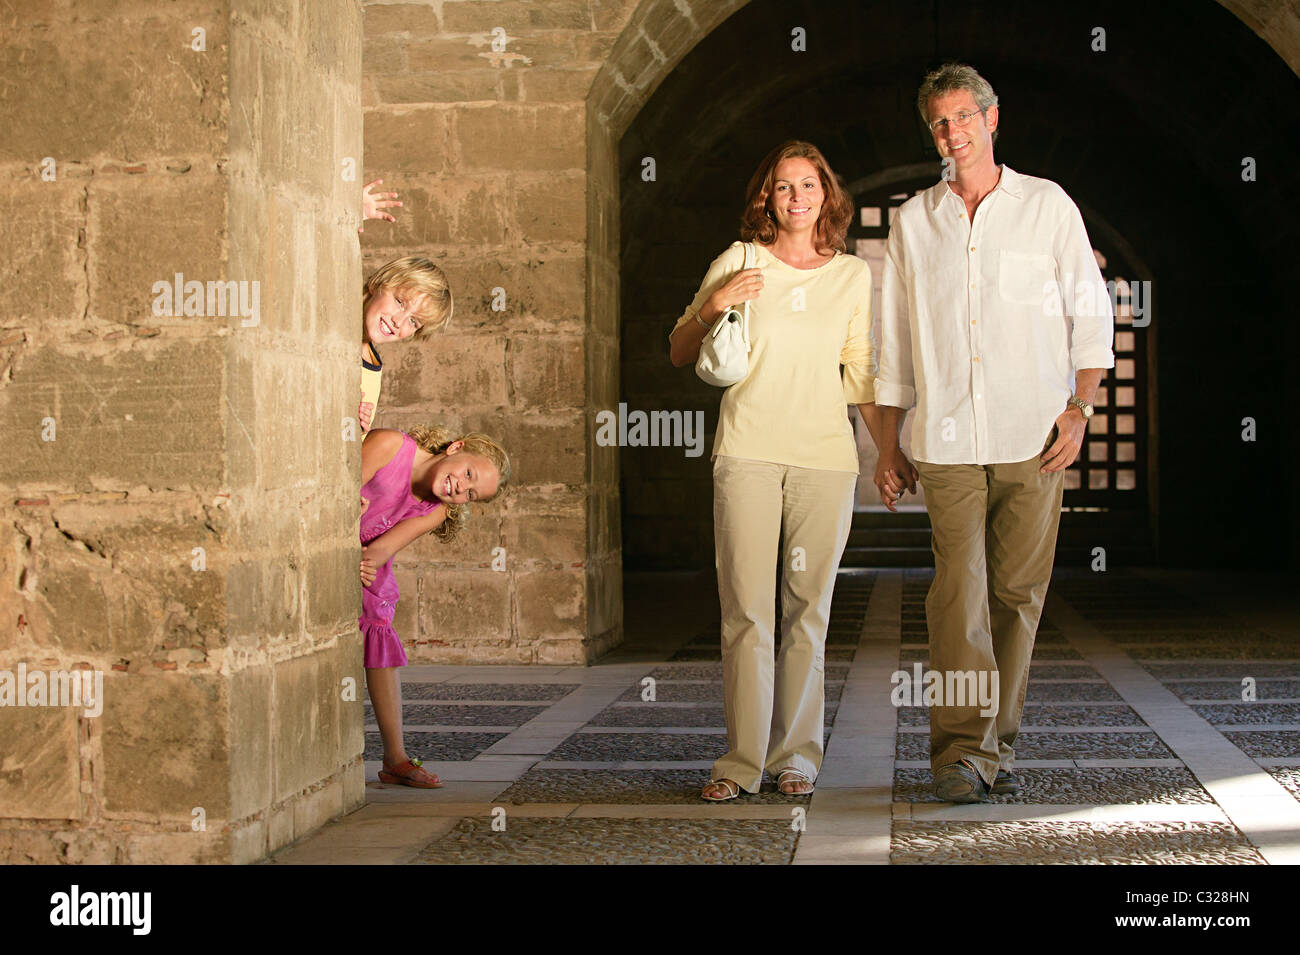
<point x="409" y="773"/>
<point x="729" y="790"/>
<point x="792" y="778"/>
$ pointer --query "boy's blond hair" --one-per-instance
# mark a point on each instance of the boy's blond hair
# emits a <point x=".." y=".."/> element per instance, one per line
<point x="434" y="439"/>
<point x="415" y="275"/>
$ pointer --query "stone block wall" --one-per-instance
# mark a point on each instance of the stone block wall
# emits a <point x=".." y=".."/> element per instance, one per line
<point x="498" y="123"/>
<point x="179" y="502"/>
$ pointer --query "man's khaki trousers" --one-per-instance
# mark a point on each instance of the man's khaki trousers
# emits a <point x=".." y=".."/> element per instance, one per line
<point x="994" y="537"/>
<point x="775" y="724"/>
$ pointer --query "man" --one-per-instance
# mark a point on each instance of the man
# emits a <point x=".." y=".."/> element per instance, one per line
<point x="997" y="326"/>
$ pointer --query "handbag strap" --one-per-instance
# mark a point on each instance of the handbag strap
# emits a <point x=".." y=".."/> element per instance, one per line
<point x="750" y="253"/>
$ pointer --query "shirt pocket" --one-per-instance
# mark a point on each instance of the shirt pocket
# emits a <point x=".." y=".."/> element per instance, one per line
<point x="1027" y="278"/>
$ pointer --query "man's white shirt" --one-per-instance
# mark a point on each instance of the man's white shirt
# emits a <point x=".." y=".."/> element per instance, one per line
<point x="983" y="324"/>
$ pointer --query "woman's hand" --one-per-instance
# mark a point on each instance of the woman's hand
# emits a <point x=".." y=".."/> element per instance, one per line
<point x="371" y="203"/>
<point x="365" y="414"/>
<point x="744" y="286"/>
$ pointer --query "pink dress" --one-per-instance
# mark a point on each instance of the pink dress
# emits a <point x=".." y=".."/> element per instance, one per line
<point x="391" y="500"/>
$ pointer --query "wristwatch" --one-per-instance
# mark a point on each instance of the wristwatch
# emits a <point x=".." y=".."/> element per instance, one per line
<point x="1082" y="405"/>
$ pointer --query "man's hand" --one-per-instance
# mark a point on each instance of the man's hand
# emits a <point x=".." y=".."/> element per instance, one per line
<point x="372" y="203"/>
<point x="894" y="473"/>
<point x="1071" y="426"/>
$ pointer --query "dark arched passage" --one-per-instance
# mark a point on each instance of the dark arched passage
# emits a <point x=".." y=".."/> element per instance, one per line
<point x="1150" y="147"/>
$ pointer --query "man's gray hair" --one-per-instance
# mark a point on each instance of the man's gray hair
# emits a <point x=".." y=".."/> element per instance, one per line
<point x="952" y="77"/>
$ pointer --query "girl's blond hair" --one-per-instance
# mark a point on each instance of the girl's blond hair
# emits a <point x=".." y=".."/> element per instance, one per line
<point x="417" y="276"/>
<point x="434" y="439"/>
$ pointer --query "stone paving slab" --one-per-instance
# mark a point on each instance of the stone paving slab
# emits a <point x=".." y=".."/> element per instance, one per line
<point x="1289" y="777"/>
<point x="705" y="692"/>
<point x="633" y="786"/>
<point x="715" y="653"/>
<point x="486" y="691"/>
<point x="1046" y="714"/>
<point x="1267" y="745"/>
<point x="1098" y="691"/>
<point x="642" y="746"/>
<point x="1075" y="843"/>
<point x="1224" y="669"/>
<point x="1075" y="786"/>
<point x="420" y="714"/>
<point x="1212" y="651"/>
<point x="1238" y="713"/>
<point x="1230" y="689"/>
<point x="655" y="714"/>
<point x="614" y="842"/>
<point x="1141" y="745"/>
<point x="1131" y="639"/>
<point x="713" y="672"/>
<point x="431" y="746"/>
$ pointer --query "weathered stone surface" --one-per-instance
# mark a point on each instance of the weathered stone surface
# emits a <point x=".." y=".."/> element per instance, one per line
<point x="390" y="135"/>
<point x="551" y="605"/>
<point x="465" y="608"/>
<point x="545" y="372"/>
<point x="517" y="17"/>
<point x="106" y="410"/>
<point x="462" y="370"/>
<point x="40" y="769"/>
<point x="413" y="19"/>
<point x="305" y="740"/>
<point x="519" y="138"/>
<point x="45" y="270"/>
<point x="546" y="450"/>
<point x="551" y="210"/>
<point x="547" y="529"/>
<point x="95" y="64"/>
<point x="166" y="745"/>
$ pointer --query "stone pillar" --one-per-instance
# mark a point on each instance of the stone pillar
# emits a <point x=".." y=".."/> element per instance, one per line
<point x="180" y="494"/>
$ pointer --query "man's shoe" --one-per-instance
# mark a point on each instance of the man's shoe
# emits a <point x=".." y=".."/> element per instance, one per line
<point x="1006" y="784"/>
<point x="959" y="782"/>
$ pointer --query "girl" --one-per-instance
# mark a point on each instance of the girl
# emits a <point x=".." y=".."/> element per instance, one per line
<point x="411" y="484"/>
<point x="784" y="458"/>
<point x="407" y="298"/>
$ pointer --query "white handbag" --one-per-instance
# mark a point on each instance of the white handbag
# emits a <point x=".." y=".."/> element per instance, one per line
<point x="724" y="353"/>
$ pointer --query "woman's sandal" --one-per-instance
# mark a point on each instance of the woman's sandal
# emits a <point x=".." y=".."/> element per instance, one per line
<point x="729" y="790"/>
<point x="409" y="773"/>
<point x="792" y="778"/>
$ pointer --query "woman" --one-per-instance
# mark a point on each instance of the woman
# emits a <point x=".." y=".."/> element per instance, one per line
<point x="784" y="459"/>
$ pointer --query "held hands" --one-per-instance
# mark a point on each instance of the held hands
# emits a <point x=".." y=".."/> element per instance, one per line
<point x="1071" y="426"/>
<point x="894" y="473"/>
<point x="372" y="203"/>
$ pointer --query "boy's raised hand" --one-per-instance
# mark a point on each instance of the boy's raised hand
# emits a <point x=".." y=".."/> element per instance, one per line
<point x="373" y="202"/>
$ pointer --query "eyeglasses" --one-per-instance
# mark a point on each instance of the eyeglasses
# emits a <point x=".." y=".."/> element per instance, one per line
<point x="961" y="120"/>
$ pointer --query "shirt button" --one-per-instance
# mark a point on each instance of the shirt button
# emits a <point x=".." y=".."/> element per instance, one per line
<point x="974" y="359"/>
<point x="979" y="396"/>
<point x="972" y="321"/>
<point x="972" y="248"/>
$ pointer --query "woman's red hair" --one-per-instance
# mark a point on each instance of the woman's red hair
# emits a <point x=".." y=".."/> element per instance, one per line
<point x="837" y="209"/>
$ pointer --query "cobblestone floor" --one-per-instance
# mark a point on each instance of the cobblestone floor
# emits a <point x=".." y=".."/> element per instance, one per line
<point x="1160" y="726"/>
